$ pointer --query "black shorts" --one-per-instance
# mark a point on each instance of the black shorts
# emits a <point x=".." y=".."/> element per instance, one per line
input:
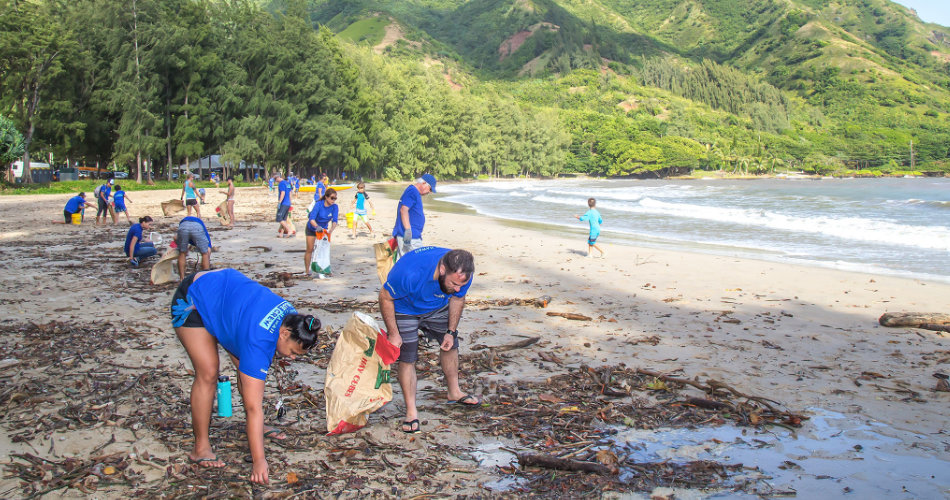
<point x="191" y="202"/>
<point x="68" y="216"/>
<point x="103" y="209"/>
<point x="282" y="212"/>
<point x="194" y="319"/>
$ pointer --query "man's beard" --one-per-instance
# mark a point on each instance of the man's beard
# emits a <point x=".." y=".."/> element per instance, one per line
<point x="442" y="285"/>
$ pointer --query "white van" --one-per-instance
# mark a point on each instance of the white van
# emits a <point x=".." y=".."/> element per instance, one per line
<point x="18" y="167"/>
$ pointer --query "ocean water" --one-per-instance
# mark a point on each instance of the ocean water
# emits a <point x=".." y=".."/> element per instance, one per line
<point x="880" y="226"/>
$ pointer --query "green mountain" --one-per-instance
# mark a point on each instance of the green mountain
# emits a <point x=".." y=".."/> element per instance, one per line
<point x="803" y="83"/>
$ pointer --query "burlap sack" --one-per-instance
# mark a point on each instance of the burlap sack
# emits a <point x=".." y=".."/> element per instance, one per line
<point x="222" y="211"/>
<point x="386" y="257"/>
<point x="172" y="207"/>
<point x="357" y="381"/>
<point x="164" y="270"/>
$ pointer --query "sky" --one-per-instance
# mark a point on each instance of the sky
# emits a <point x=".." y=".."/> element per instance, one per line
<point x="931" y="11"/>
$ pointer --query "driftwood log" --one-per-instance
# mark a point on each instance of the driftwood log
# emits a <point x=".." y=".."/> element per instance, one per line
<point x="552" y="462"/>
<point x="928" y="321"/>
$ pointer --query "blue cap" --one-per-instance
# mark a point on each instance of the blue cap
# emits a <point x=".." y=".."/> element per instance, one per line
<point x="430" y="179"/>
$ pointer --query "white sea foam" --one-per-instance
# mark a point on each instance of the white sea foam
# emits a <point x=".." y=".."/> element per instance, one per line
<point x="849" y="228"/>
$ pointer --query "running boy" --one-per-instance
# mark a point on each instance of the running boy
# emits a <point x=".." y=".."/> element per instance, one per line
<point x="595" y="220"/>
<point x="359" y="212"/>
<point x="119" y="198"/>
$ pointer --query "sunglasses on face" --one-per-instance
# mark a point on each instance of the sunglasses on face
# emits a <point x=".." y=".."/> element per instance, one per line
<point x="332" y="198"/>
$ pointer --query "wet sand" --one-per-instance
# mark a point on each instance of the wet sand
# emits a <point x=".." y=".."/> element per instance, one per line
<point x="807" y="338"/>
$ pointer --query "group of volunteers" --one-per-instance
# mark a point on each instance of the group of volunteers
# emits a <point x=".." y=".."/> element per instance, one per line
<point x="424" y="294"/>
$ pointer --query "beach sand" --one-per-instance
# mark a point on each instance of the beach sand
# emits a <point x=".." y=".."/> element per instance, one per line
<point x="804" y="337"/>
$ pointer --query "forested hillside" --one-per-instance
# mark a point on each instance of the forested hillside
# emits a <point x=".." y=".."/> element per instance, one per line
<point x="395" y="88"/>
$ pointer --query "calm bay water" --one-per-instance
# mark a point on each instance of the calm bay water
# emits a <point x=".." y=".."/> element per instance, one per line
<point x="882" y="226"/>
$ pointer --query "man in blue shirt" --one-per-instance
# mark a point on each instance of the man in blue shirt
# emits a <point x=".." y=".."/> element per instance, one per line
<point x="425" y="291"/>
<point x="75" y="205"/>
<point x="192" y="231"/>
<point x="410" y="219"/>
<point x="284" y="191"/>
<point x="105" y="206"/>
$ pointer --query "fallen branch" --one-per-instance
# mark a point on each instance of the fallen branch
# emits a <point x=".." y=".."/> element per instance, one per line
<point x="574" y="316"/>
<point x="549" y="462"/>
<point x="508" y="347"/>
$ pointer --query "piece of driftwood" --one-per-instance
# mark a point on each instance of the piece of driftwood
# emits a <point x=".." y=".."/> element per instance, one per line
<point x="574" y="316"/>
<point x="550" y="462"/>
<point x="928" y="321"/>
<point x="508" y="347"/>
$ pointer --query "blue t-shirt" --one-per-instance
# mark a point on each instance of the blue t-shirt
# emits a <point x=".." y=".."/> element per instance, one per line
<point x="243" y="315"/>
<point x="135" y="230"/>
<point x="411" y="198"/>
<point x="319" y="190"/>
<point x="593" y="217"/>
<point x="285" y="188"/>
<point x="297" y="183"/>
<point x="74" y="205"/>
<point x="270" y="183"/>
<point x="324" y="214"/>
<point x="361" y="203"/>
<point x="104" y="192"/>
<point x="119" y="199"/>
<point x="411" y="285"/>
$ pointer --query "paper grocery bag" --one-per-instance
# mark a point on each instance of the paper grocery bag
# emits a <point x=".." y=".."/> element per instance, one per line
<point x="386" y="257"/>
<point x="172" y="207"/>
<point x="357" y="381"/>
<point x="222" y="211"/>
<point x="164" y="270"/>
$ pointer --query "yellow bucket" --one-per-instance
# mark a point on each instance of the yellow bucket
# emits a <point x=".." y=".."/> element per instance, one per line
<point x="349" y="219"/>
<point x="77" y="218"/>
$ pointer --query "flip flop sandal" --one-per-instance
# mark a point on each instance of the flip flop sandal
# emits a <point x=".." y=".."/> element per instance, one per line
<point x="275" y="432"/>
<point x="463" y="401"/>
<point x="200" y="461"/>
<point x="413" y="427"/>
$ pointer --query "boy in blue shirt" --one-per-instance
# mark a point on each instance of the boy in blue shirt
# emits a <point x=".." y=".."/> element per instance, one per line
<point x="119" y="198"/>
<point x="359" y="209"/>
<point x="75" y="205"/>
<point x="592" y="216"/>
<point x="284" y="192"/>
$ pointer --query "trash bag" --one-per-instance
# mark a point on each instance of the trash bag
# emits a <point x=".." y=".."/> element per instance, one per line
<point x="386" y="257"/>
<point x="222" y="211"/>
<point x="164" y="270"/>
<point x="321" y="255"/>
<point x="358" y="377"/>
<point x="172" y="207"/>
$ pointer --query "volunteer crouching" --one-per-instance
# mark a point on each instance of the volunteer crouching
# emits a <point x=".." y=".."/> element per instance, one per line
<point x="251" y="323"/>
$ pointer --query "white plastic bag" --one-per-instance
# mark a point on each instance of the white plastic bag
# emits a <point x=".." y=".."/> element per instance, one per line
<point x="321" y="256"/>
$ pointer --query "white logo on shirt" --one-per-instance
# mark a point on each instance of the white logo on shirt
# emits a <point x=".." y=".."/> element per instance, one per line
<point x="273" y="319"/>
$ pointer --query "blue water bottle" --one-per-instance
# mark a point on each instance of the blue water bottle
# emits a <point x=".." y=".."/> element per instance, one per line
<point x="224" y="396"/>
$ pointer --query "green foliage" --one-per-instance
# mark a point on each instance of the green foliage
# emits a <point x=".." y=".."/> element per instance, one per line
<point x="11" y="141"/>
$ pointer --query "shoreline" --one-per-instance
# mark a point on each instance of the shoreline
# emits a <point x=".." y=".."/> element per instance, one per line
<point x="806" y="338"/>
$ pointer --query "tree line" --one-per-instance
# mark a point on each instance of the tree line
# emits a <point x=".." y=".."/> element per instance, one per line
<point x="151" y="84"/>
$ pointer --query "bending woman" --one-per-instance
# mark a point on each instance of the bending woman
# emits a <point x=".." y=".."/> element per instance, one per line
<point x="138" y="247"/>
<point x="252" y="324"/>
<point x="320" y="224"/>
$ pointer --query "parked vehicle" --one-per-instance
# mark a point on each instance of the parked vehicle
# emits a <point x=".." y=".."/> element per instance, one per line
<point x="121" y="175"/>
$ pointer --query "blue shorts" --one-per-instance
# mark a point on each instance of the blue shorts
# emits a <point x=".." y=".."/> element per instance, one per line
<point x="282" y="212"/>
<point x="592" y="239"/>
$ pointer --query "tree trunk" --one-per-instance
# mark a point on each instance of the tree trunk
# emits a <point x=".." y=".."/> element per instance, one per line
<point x="168" y="134"/>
